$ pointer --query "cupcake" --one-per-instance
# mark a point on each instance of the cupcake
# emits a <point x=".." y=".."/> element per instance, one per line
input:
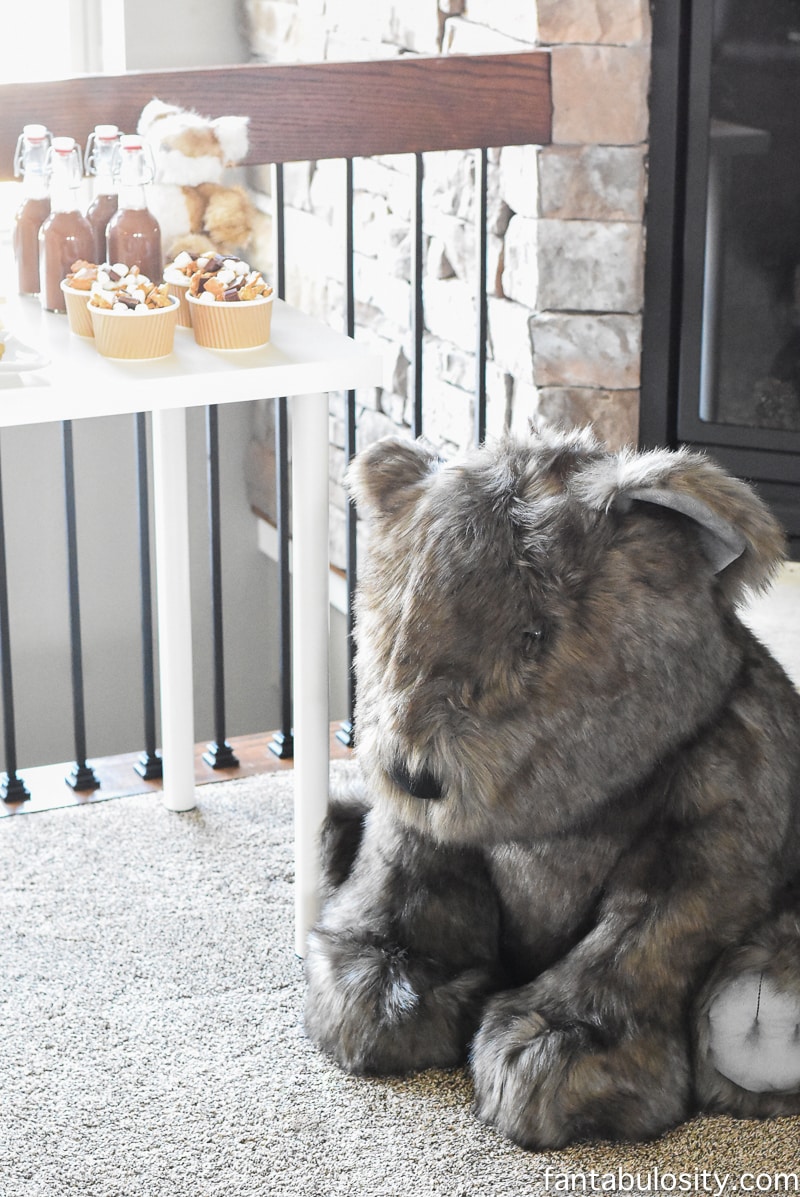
<point x="231" y="304"/>
<point x="134" y="318"/>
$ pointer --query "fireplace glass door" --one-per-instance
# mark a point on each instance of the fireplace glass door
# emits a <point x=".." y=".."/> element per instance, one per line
<point x="740" y="339"/>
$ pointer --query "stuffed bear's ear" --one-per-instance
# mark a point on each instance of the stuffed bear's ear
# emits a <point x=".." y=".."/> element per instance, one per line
<point x="742" y="541"/>
<point x="385" y="478"/>
<point x="232" y="134"/>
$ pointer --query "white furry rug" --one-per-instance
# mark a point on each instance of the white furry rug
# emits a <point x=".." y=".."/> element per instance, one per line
<point x="152" y="1042"/>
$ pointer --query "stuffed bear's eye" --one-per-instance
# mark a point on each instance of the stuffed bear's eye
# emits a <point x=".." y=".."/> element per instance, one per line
<point x="533" y="637"/>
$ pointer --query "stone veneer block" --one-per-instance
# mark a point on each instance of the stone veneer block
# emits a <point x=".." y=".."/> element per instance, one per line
<point x="388" y="176"/>
<point x="454" y="243"/>
<point x="600" y="94"/>
<point x="388" y="296"/>
<point x="271" y="24"/>
<point x="414" y="24"/>
<point x="614" y="415"/>
<point x="592" y="182"/>
<point x="509" y="338"/>
<point x="285" y="32"/>
<point x="516" y="18"/>
<point x="450" y="311"/>
<point x="346" y="47"/>
<point x="520" y="277"/>
<point x="465" y="37"/>
<point x="370" y="22"/>
<point x="371" y="426"/>
<point x="596" y="22"/>
<point x="574" y="265"/>
<point x="586" y="266"/>
<point x="448" y="412"/>
<point x="594" y="351"/>
<point x="519" y="178"/>
<point x="410" y="24"/>
<point x="524" y="405"/>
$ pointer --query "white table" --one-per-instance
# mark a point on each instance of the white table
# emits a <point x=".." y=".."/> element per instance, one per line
<point x="304" y="358"/>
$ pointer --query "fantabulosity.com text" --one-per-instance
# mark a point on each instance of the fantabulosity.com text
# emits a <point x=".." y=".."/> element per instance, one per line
<point x="654" y="1180"/>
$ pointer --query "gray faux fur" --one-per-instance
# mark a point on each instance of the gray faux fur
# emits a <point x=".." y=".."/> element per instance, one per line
<point x="581" y="782"/>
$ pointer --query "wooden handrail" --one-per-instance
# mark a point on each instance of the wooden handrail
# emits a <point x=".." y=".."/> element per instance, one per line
<point x="303" y="112"/>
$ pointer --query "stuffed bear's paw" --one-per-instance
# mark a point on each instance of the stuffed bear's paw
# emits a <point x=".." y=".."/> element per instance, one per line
<point x="755" y="1035"/>
<point x="376" y="1008"/>
<point x="340" y="836"/>
<point x="545" y="1085"/>
<point x="747" y="1026"/>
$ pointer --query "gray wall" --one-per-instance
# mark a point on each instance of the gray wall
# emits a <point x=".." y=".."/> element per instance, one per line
<point x="163" y="34"/>
<point x="105" y="467"/>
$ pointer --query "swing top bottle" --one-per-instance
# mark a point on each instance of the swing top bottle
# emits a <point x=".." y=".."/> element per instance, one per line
<point x="66" y="235"/>
<point x="99" y="163"/>
<point x="30" y="165"/>
<point x="133" y="235"/>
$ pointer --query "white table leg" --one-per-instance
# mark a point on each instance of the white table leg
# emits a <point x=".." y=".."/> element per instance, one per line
<point x="174" y="606"/>
<point x="310" y="623"/>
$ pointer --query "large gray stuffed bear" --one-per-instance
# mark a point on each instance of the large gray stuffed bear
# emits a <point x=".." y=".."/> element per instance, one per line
<point x="574" y="856"/>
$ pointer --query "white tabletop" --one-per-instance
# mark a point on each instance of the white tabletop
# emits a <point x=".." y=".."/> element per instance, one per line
<point x="305" y="356"/>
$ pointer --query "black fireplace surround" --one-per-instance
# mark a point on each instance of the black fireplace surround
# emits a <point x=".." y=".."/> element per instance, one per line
<point x="721" y="337"/>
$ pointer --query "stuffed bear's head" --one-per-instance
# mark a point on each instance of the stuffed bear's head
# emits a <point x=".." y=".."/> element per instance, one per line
<point x="190" y="149"/>
<point x="542" y="623"/>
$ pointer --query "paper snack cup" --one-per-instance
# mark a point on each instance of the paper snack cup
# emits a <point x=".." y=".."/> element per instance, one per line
<point x="220" y="325"/>
<point x="78" y="310"/>
<point x="178" y="286"/>
<point x="135" y="336"/>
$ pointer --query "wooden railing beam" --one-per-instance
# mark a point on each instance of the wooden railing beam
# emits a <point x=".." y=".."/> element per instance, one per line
<point x="304" y="112"/>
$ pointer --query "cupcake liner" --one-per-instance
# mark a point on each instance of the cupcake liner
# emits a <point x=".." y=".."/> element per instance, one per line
<point x="77" y="303"/>
<point x="180" y="291"/>
<point x="135" y="335"/>
<point x="244" y="325"/>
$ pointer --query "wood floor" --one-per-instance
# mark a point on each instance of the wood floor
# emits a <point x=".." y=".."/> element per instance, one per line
<point x="118" y="777"/>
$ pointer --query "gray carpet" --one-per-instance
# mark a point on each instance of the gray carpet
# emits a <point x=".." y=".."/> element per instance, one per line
<point x="152" y="1044"/>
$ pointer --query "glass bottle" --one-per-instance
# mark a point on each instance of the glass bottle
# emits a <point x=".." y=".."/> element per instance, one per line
<point x="66" y="235"/>
<point x="133" y="235"/>
<point x="99" y="163"/>
<point x="29" y="165"/>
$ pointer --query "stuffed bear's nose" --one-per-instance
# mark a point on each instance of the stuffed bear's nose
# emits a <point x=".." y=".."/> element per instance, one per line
<point x="422" y="784"/>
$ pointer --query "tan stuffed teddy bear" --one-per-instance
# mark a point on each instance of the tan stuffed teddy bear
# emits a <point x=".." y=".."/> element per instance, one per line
<point x="196" y="208"/>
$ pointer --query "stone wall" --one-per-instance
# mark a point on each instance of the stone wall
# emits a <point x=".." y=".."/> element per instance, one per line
<point x="565" y="225"/>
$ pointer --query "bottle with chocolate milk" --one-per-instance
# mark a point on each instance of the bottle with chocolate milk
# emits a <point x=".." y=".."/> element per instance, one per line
<point x="98" y="162"/>
<point x="30" y="165"/>
<point x="66" y="235"/>
<point x="133" y="235"/>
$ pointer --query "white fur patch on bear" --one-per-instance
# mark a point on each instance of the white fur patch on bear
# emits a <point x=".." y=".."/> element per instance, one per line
<point x="755" y="1035"/>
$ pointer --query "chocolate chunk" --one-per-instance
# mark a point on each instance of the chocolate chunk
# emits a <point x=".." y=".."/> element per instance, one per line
<point x="231" y="295"/>
<point x="127" y="300"/>
<point x="112" y="274"/>
<point x="214" y="264"/>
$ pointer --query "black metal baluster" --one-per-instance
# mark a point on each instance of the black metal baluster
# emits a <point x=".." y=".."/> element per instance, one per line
<point x="82" y="776"/>
<point x="481" y="216"/>
<point x="219" y="754"/>
<point x="417" y="311"/>
<point x="149" y="765"/>
<point x="12" y="787"/>
<point x="346" y="733"/>
<point x="282" y="743"/>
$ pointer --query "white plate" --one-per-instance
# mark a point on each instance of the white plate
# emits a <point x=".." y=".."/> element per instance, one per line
<point x="18" y="356"/>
